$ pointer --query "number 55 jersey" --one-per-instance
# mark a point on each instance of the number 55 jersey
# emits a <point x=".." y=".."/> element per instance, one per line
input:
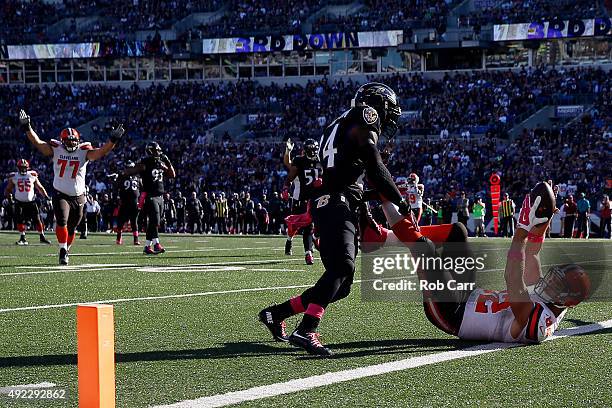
<point x="488" y="316"/>
<point x="69" y="168"/>
<point x="24" y="185"/>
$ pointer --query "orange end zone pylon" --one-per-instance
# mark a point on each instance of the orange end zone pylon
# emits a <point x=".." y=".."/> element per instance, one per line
<point x="96" y="356"/>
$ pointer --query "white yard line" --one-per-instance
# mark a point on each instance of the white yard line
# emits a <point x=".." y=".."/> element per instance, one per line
<point x="173" y="251"/>
<point x="308" y="383"/>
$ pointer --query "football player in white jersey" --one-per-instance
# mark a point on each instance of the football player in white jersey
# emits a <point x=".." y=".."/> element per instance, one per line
<point x="531" y="307"/>
<point x="412" y="191"/>
<point x="70" y="159"/>
<point x="22" y="185"/>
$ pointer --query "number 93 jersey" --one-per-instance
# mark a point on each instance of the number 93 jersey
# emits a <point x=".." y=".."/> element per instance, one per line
<point x="488" y="316"/>
<point x="24" y="185"/>
<point x="70" y="168"/>
<point x="152" y="176"/>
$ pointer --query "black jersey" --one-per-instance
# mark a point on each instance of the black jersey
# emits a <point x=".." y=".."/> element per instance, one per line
<point x="152" y="176"/>
<point x="129" y="188"/>
<point x="343" y="169"/>
<point x="309" y="171"/>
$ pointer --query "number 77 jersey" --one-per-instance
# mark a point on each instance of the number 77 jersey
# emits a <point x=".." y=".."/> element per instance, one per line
<point x="69" y="168"/>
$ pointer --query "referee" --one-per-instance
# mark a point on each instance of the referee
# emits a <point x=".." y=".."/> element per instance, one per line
<point x="506" y="214"/>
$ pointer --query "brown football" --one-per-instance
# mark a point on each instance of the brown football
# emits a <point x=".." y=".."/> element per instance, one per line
<point x="547" y="203"/>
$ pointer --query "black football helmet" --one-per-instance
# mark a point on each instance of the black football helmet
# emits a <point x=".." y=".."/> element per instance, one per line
<point x="384" y="100"/>
<point x="311" y="148"/>
<point x="153" y="149"/>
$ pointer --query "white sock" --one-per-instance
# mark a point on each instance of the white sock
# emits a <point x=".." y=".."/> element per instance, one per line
<point x="155" y="241"/>
<point x="64" y="245"/>
<point x="308" y="253"/>
<point x="23" y="236"/>
<point x="148" y="243"/>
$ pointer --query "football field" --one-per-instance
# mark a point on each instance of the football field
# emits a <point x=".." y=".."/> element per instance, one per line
<point x="186" y="333"/>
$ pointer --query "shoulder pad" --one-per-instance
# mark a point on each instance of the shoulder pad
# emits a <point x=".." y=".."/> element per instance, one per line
<point x="365" y="116"/>
<point x="11" y="175"/>
<point x="86" y="146"/>
<point x="540" y="324"/>
<point x="54" y="143"/>
<point x="33" y="173"/>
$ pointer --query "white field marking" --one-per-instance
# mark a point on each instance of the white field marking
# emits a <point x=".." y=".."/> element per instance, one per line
<point x="173" y="252"/>
<point x="6" y="390"/>
<point x="210" y="268"/>
<point x="186" y="295"/>
<point x="82" y="266"/>
<point x="303" y="384"/>
<point x="110" y="267"/>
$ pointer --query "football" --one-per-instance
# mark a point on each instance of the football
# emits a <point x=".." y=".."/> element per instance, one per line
<point x="547" y="204"/>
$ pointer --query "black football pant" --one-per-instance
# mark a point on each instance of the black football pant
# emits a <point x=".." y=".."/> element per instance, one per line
<point x="337" y="226"/>
<point x="128" y="212"/>
<point x="154" y="207"/>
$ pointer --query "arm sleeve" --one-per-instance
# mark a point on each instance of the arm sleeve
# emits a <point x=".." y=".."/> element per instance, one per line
<point x="377" y="173"/>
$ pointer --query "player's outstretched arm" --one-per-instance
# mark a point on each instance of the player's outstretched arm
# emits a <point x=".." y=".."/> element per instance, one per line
<point x="287" y="154"/>
<point x="519" y="299"/>
<point x="115" y="137"/>
<point x="43" y="147"/>
<point x="169" y="170"/>
<point x="41" y="188"/>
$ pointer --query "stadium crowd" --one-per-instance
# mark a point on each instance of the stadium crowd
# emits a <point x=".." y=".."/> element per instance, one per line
<point x="179" y="116"/>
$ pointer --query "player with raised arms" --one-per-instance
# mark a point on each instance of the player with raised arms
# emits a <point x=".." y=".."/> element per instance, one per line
<point x="70" y="158"/>
<point x="22" y="185"/>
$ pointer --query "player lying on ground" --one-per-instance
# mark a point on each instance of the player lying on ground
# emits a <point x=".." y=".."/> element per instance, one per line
<point x="515" y="314"/>
<point x="23" y="184"/>
<point x="70" y="159"/>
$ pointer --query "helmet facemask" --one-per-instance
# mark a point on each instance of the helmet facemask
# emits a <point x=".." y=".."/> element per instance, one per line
<point x="311" y="149"/>
<point x="554" y="287"/>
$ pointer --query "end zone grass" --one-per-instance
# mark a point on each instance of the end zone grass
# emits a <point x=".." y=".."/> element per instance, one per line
<point x="208" y="340"/>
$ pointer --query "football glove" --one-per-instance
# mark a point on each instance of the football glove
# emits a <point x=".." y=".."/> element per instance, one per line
<point x="117" y="133"/>
<point x="527" y="218"/>
<point x="289" y="145"/>
<point x="24" y="120"/>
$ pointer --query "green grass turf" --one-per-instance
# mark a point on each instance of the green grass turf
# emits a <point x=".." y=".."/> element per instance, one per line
<point x="174" y="349"/>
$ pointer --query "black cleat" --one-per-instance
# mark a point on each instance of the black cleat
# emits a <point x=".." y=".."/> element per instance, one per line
<point x="310" y="342"/>
<point x="288" y="245"/>
<point x="276" y="328"/>
<point x="44" y="240"/>
<point x="63" y="256"/>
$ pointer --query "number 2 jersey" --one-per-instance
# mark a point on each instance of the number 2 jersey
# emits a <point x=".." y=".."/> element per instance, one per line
<point x="309" y="171"/>
<point x="152" y="176"/>
<point x="488" y="316"/>
<point x="70" y="168"/>
<point x="24" y="185"/>
<point x="343" y="169"/>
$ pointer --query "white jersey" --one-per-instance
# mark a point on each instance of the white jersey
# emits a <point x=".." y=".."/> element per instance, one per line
<point x="24" y="185"/>
<point x="69" y="169"/>
<point x="488" y="316"/>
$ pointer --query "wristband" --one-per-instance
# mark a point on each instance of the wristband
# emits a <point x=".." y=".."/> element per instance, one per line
<point x="535" y="238"/>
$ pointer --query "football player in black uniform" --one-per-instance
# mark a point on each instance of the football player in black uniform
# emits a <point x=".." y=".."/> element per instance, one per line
<point x="129" y="190"/>
<point x="152" y="170"/>
<point x="305" y="174"/>
<point x="348" y="151"/>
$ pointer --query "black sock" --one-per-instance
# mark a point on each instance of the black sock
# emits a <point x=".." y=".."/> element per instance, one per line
<point x="282" y="311"/>
<point x="309" y="323"/>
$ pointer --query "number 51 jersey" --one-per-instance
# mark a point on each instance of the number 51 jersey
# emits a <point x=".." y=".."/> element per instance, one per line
<point x="70" y="168"/>
<point x="488" y="316"/>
